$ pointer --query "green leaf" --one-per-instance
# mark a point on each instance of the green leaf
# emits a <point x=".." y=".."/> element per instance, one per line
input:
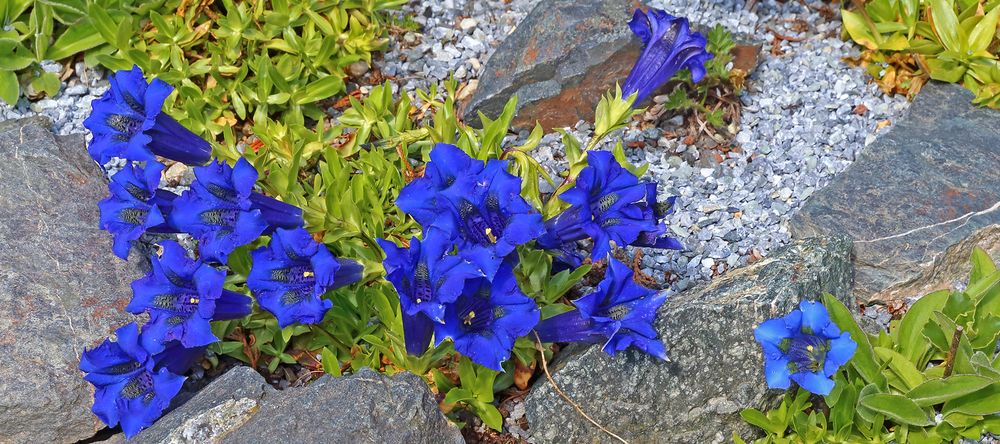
<point x="489" y="414"/>
<point x="864" y="358"/>
<point x="76" y="39"/>
<point x="982" y="264"/>
<point x="911" y="341"/>
<point x="897" y="407"/>
<point x="14" y="56"/>
<point x="320" y="89"/>
<point x="901" y="367"/>
<point x="946" y="24"/>
<point x="982" y="35"/>
<point x="858" y="29"/>
<point x="755" y="417"/>
<point x="330" y="364"/>
<point x="937" y="391"/>
<point x="103" y="22"/>
<point x="986" y="401"/>
<point x="9" y="88"/>
<point x="457" y="395"/>
<point x="48" y="83"/>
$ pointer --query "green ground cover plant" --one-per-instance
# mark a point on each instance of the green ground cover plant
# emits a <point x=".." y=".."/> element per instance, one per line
<point x="933" y="377"/>
<point x="908" y="42"/>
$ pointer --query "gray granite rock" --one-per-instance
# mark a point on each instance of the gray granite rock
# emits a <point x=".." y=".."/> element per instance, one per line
<point x="950" y="269"/>
<point x="715" y="368"/>
<point x="367" y="407"/>
<point x="928" y="183"/>
<point x="61" y="288"/>
<point x="563" y="53"/>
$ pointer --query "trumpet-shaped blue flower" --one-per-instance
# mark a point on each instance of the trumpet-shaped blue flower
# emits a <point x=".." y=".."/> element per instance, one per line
<point x="608" y="203"/>
<point x="135" y="206"/>
<point x="127" y="388"/>
<point x="290" y="275"/>
<point x="177" y="358"/>
<point x="420" y="197"/>
<point x="668" y="46"/>
<point x="427" y="278"/>
<point x="182" y="296"/>
<point x="481" y="205"/>
<point x="222" y="211"/>
<point x="128" y="122"/>
<point x="653" y="210"/>
<point x="618" y="312"/>
<point x="487" y="318"/>
<point x="804" y="346"/>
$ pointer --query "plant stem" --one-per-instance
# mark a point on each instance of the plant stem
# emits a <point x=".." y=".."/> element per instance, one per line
<point x="545" y="367"/>
<point x="949" y="363"/>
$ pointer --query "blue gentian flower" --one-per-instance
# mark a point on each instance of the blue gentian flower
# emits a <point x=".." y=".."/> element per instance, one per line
<point x="804" y="346"/>
<point x="128" y="122"/>
<point x="619" y="312"/>
<point x="486" y="319"/>
<point x="426" y="277"/>
<point x="481" y="205"/>
<point x="127" y="388"/>
<point x="222" y="212"/>
<point x="448" y="162"/>
<point x="608" y="203"/>
<point x="182" y="296"/>
<point x="668" y="45"/>
<point x="291" y="274"/>
<point x="487" y="210"/>
<point x="177" y="358"/>
<point x="653" y="210"/>
<point x="135" y="206"/>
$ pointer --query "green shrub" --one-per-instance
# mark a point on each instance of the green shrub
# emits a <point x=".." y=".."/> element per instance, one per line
<point x="933" y="377"/>
<point x="908" y="42"/>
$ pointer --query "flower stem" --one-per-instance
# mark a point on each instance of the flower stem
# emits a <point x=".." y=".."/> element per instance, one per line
<point x="545" y="367"/>
<point x="949" y="362"/>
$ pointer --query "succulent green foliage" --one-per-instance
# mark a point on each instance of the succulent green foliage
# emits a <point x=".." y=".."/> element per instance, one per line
<point x="933" y="377"/>
<point x="702" y="97"/>
<point x="236" y="61"/>
<point x="346" y="179"/>
<point x="950" y="41"/>
<point x="231" y="61"/>
<point x="33" y="31"/>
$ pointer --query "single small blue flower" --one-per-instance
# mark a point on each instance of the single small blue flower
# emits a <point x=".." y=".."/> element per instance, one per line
<point x="128" y="122"/>
<point x="668" y="45"/>
<point x="217" y="211"/>
<point x="182" y="297"/>
<point x="619" y="312"/>
<point x="448" y="162"/>
<point x="135" y="206"/>
<point x="426" y="277"/>
<point x="127" y="388"/>
<point x="487" y="318"/>
<point x="608" y="204"/>
<point x="291" y="274"/>
<point x="804" y="346"/>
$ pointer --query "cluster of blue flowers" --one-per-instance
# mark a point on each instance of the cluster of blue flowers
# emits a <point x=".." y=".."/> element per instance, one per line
<point x="804" y="346"/>
<point x="457" y="281"/>
<point x="136" y="377"/>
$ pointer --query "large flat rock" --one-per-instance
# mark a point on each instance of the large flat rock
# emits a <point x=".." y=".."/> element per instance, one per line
<point x="61" y="288"/>
<point x="366" y="407"/>
<point x="715" y="368"/>
<point x="558" y="62"/>
<point x="928" y="183"/>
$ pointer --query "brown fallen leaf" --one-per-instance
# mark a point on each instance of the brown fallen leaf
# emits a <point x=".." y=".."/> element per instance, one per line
<point x="860" y="110"/>
<point x="523" y="374"/>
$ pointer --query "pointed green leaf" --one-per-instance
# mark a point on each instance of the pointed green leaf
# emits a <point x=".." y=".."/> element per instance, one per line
<point x="897" y="407"/>
<point x="937" y="391"/>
